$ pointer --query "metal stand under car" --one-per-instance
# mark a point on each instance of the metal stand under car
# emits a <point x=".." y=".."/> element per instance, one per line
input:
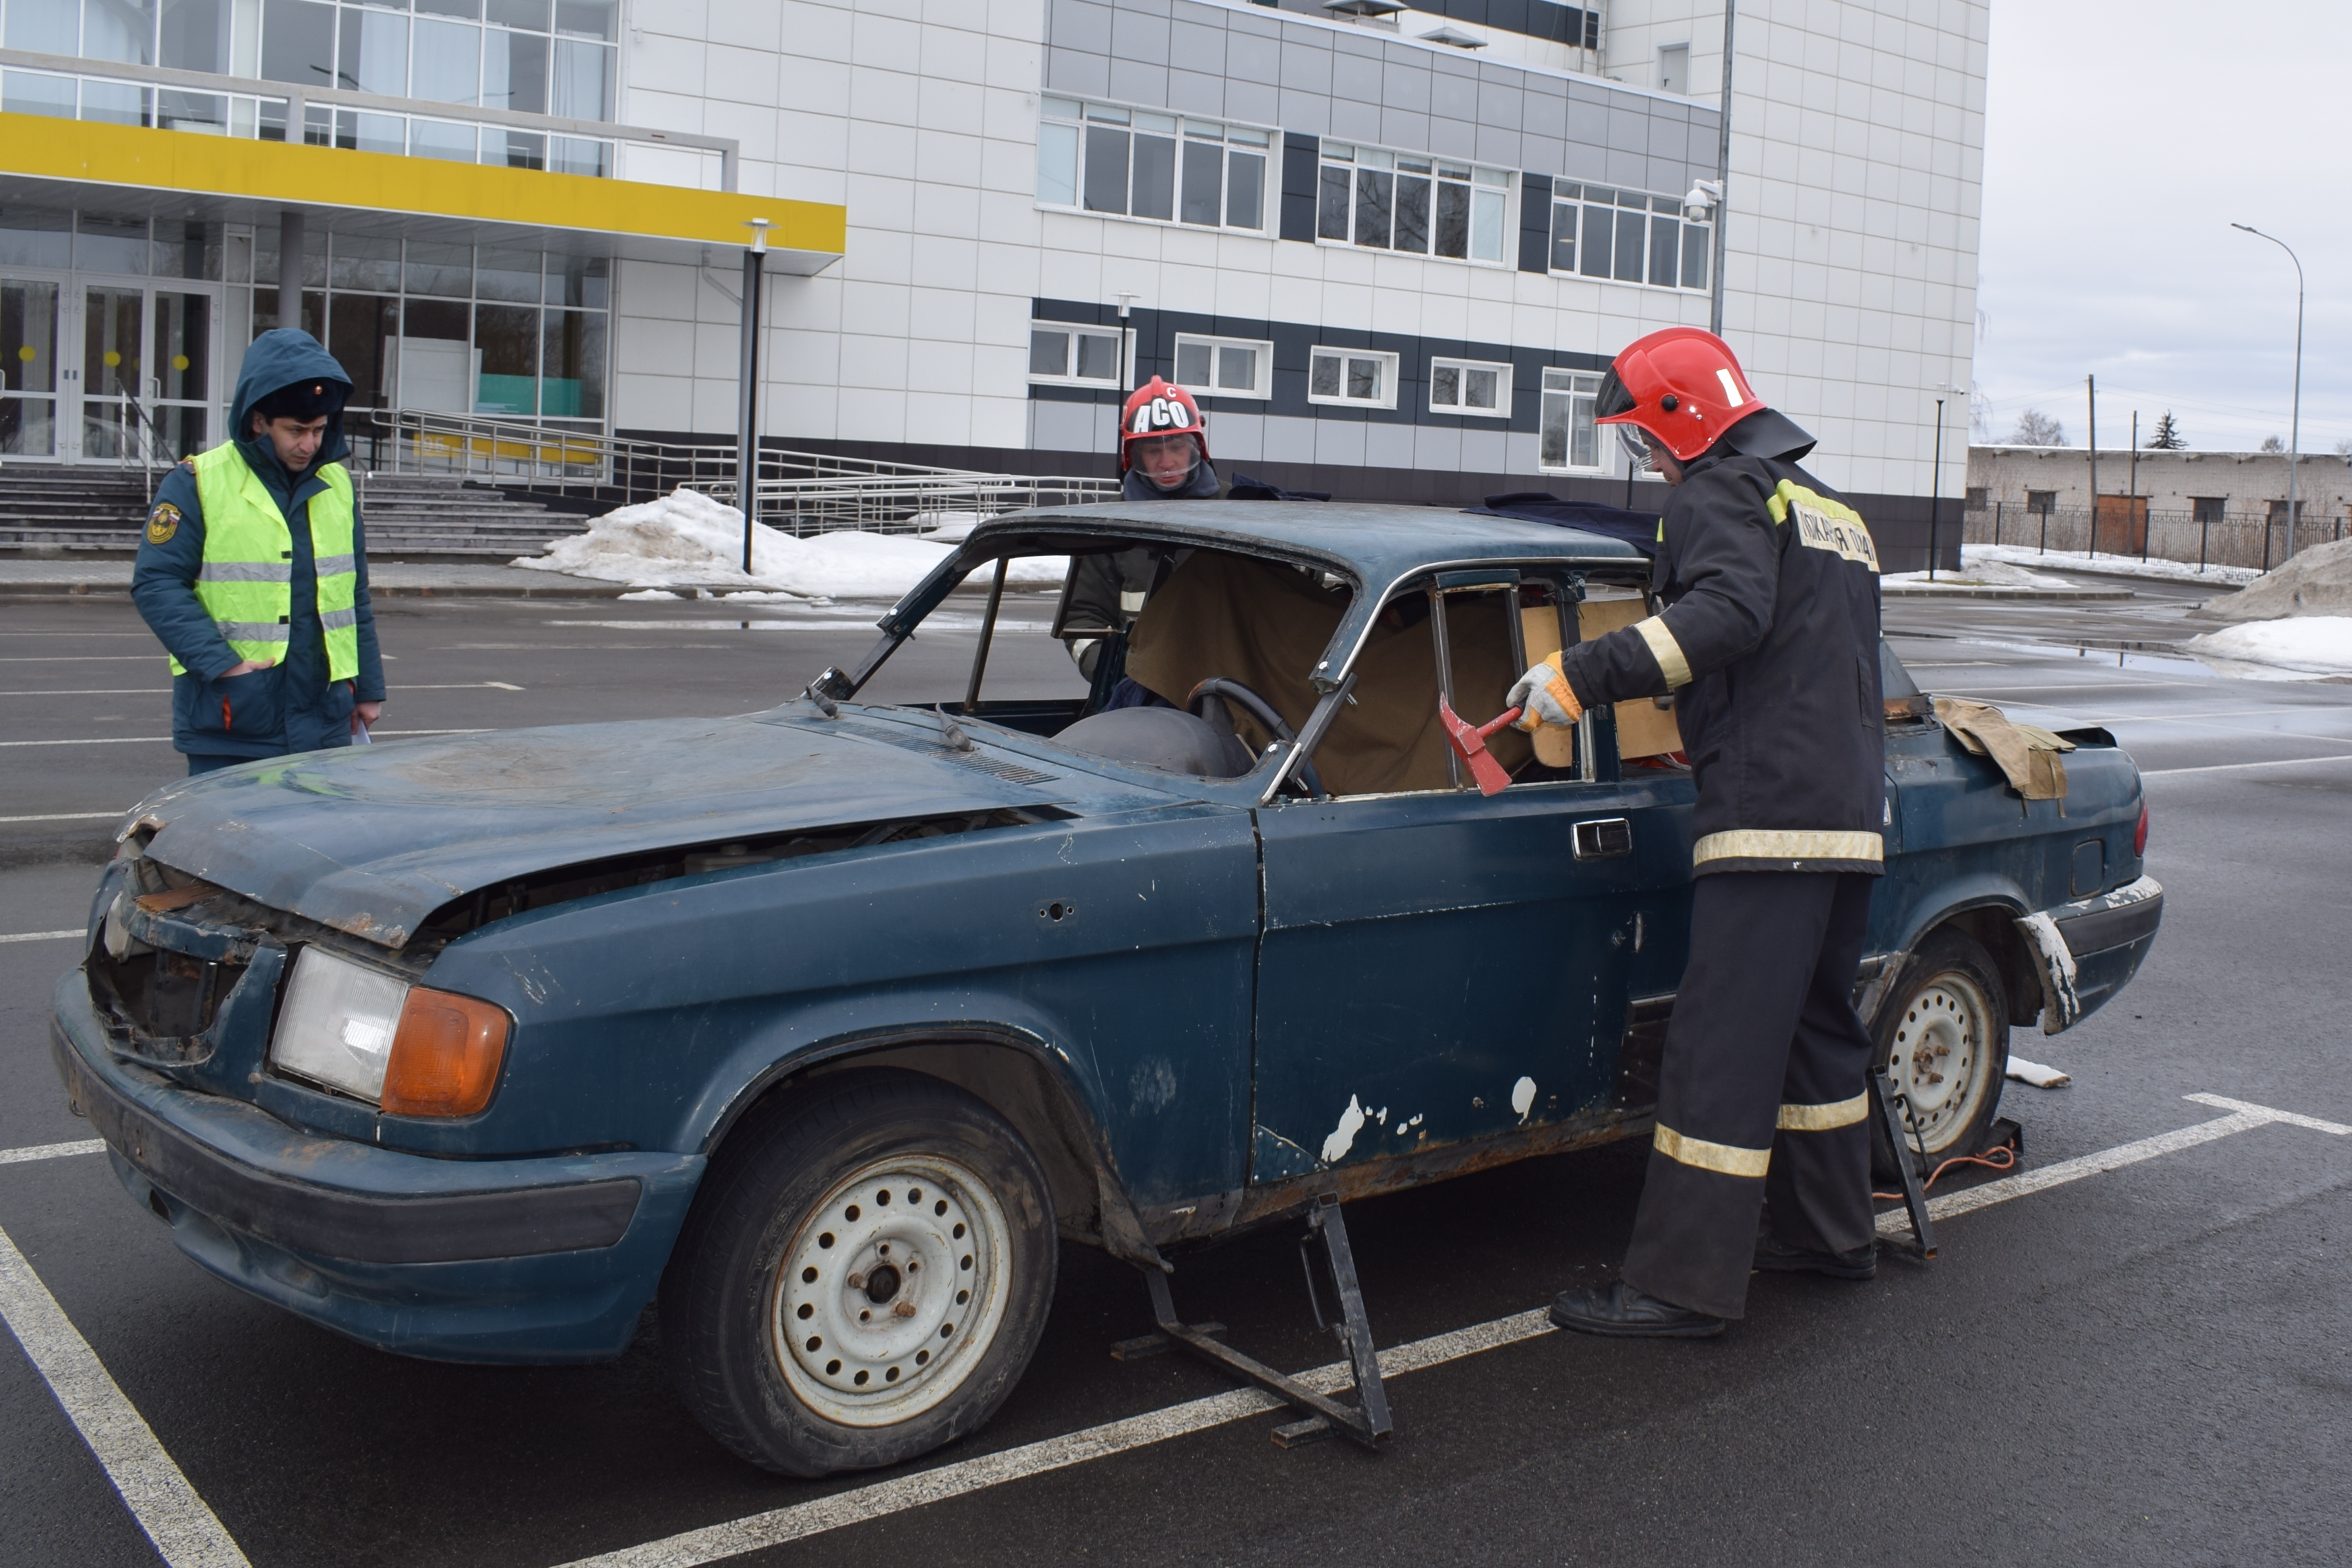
<point x="1883" y="1101"/>
<point x="1366" y="1421"/>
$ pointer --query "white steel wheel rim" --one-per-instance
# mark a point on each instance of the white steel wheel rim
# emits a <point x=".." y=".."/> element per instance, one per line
<point x="1938" y="1057"/>
<point x="925" y="1243"/>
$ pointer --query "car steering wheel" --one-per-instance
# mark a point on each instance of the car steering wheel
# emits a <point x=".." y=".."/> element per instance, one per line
<point x="1261" y="710"/>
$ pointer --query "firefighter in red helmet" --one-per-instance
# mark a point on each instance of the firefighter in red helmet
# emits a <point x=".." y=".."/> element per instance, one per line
<point x="1163" y="455"/>
<point x="1163" y="446"/>
<point x="1769" y="643"/>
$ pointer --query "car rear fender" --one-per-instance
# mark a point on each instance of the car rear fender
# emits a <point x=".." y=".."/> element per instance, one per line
<point x="1021" y="1077"/>
<point x="1985" y="908"/>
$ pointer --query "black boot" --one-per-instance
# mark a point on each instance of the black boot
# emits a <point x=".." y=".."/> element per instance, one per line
<point x="1772" y="1258"/>
<point x="1622" y="1311"/>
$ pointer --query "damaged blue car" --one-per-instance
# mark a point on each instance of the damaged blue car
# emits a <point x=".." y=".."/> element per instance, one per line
<point x="819" y="1028"/>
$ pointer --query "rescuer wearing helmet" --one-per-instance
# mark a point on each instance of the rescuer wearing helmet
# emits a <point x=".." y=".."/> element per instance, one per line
<point x="1163" y="455"/>
<point x="1163" y="446"/>
<point x="1769" y="642"/>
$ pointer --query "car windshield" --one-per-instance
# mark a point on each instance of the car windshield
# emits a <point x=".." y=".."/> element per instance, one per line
<point x="1215" y="661"/>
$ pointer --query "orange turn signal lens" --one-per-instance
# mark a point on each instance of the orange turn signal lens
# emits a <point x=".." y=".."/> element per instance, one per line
<point x="444" y="1056"/>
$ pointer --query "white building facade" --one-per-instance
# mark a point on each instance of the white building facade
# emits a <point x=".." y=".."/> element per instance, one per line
<point x="1391" y="250"/>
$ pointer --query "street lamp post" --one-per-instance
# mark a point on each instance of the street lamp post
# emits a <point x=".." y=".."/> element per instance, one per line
<point x="1935" y="493"/>
<point x="2295" y="431"/>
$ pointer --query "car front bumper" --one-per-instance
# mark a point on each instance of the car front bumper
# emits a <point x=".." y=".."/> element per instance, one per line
<point x="2091" y="949"/>
<point x="533" y="1261"/>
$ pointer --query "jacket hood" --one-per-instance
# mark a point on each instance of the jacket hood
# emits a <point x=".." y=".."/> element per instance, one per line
<point x="278" y="359"/>
<point x="372" y="840"/>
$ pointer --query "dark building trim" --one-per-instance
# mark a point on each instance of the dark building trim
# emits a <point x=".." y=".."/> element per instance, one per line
<point x="1294" y="342"/>
<point x="1535" y="222"/>
<point x="1301" y="157"/>
<point x="1577" y="26"/>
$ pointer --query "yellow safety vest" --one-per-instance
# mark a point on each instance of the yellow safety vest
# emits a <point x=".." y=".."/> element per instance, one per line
<point x="247" y="581"/>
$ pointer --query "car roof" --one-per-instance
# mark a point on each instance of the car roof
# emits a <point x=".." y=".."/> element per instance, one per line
<point x="1376" y="546"/>
<point x="1376" y="543"/>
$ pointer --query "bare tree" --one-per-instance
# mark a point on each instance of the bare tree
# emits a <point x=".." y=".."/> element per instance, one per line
<point x="2035" y="428"/>
<point x="2271" y="444"/>
<point x="1979" y="416"/>
<point x="2167" y="438"/>
<point x="2344" y="447"/>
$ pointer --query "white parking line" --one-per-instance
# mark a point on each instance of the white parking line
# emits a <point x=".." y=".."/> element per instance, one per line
<point x="166" y="740"/>
<point x="68" y="817"/>
<point x="39" y="935"/>
<point x="186" y="1533"/>
<point x="801" y="1521"/>
<point x="51" y="1150"/>
<point x="2240" y="767"/>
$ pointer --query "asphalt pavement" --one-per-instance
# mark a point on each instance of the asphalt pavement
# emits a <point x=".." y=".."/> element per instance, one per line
<point x="2148" y="1364"/>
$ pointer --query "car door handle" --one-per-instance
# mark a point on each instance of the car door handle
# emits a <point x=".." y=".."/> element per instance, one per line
<point x="1603" y="838"/>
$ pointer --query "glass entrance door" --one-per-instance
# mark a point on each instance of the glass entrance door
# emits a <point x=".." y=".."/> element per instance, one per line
<point x="113" y="334"/>
<point x="180" y="377"/>
<point x="29" y="368"/>
<point x="143" y="391"/>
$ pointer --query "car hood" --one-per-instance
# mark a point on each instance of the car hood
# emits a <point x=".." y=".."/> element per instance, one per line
<point x="372" y="840"/>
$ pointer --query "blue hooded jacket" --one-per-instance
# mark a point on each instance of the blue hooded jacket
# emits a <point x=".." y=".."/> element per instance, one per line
<point x="292" y="707"/>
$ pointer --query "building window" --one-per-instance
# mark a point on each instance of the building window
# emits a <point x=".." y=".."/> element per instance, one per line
<point x="1473" y="387"/>
<point x="1674" y="68"/>
<point x="1225" y="367"/>
<point x="1133" y="162"/>
<point x="1568" y="439"/>
<point x="1357" y="378"/>
<point x="1979" y="496"/>
<point x="1074" y="356"/>
<point x="2207" y="509"/>
<point x="1628" y="237"/>
<point x="1398" y="201"/>
<point x="2041" y="502"/>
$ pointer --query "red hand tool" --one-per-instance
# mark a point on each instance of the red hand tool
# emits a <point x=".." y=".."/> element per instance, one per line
<point x="1469" y="743"/>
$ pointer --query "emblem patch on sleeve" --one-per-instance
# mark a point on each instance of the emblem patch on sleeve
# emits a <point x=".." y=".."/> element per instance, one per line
<point x="163" y="523"/>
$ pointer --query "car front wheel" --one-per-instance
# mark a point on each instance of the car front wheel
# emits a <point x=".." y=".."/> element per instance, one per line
<point x="863" y="1277"/>
<point x="1943" y="1038"/>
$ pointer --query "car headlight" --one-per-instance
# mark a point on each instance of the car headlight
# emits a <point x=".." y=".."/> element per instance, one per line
<point x="409" y="1048"/>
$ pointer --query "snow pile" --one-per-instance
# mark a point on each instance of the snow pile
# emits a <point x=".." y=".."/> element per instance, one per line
<point x="686" y="540"/>
<point x="2105" y="564"/>
<point x="2303" y="646"/>
<point x="2317" y="582"/>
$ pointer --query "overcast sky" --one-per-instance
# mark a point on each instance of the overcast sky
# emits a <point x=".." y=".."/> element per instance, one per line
<point x="2122" y="139"/>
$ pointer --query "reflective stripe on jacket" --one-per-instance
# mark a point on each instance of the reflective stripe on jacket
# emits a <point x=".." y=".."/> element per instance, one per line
<point x="246" y="583"/>
<point x="1769" y="642"/>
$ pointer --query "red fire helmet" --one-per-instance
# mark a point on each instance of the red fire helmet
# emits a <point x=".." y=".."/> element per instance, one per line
<point x="1682" y="385"/>
<point x="1157" y="409"/>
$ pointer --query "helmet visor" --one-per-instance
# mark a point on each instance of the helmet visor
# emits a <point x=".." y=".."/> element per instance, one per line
<point x="1628" y="436"/>
<point x="1613" y="399"/>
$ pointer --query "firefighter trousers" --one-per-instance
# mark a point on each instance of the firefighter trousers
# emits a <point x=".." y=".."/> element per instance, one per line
<point x="1762" y="1093"/>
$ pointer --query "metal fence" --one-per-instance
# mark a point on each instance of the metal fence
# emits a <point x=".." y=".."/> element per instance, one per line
<point x="796" y="492"/>
<point x="2237" y="539"/>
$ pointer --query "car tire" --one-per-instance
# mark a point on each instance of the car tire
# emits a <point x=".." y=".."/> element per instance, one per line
<point x="889" y="1179"/>
<point x="1943" y="1038"/>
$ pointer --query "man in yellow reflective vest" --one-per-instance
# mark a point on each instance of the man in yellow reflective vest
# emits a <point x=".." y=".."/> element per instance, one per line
<point x="253" y="572"/>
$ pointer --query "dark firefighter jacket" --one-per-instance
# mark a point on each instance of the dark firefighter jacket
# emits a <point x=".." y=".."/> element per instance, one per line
<point x="1769" y="643"/>
<point x="312" y="711"/>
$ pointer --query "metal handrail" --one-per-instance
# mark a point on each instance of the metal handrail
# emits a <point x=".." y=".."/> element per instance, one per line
<point x="796" y="492"/>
